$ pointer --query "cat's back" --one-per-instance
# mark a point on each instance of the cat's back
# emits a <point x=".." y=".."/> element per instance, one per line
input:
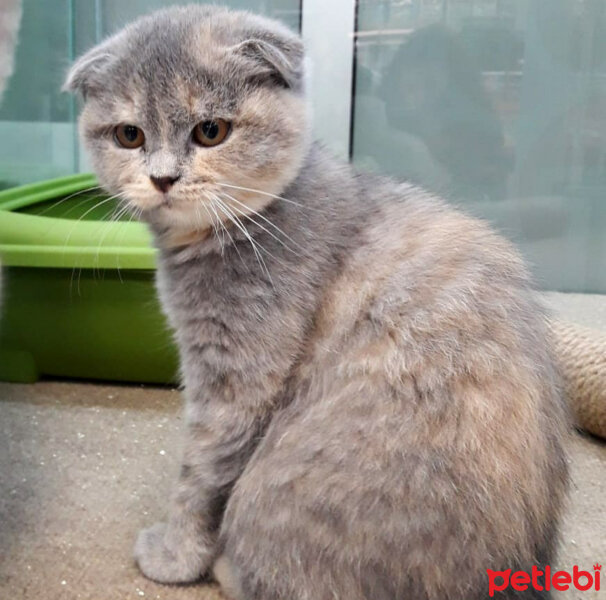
<point x="431" y="277"/>
<point x="434" y="304"/>
<point x="430" y="296"/>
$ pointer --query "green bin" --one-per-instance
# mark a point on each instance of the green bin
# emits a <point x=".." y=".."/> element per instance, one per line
<point x="78" y="297"/>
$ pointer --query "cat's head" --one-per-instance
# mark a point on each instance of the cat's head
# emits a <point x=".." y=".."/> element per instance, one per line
<point x="192" y="104"/>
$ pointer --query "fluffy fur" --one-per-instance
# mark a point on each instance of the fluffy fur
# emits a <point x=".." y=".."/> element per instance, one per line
<point x="372" y="408"/>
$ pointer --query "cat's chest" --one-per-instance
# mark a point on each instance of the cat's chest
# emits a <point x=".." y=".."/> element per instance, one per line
<point x="185" y="289"/>
<point x="211" y="298"/>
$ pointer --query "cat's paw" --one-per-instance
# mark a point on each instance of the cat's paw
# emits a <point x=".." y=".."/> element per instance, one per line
<point x="168" y="561"/>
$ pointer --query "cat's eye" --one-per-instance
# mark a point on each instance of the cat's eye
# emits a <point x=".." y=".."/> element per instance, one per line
<point x="211" y="133"/>
<point x="129" y="136"/>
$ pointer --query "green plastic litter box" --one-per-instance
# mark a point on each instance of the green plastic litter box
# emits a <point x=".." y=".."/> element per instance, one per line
<point x="78" y="297"/>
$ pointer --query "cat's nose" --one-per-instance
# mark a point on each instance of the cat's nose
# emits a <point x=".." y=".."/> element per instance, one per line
<point x="163" y="184"/>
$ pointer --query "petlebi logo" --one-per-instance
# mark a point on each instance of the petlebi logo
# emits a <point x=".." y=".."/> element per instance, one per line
<point x="547" y="579"/>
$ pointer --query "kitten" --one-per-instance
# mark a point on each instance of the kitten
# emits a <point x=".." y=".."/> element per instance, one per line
<point x="372" y="408"/>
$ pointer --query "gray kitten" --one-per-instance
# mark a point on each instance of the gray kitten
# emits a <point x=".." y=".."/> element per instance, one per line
<point x="372" y="408"/>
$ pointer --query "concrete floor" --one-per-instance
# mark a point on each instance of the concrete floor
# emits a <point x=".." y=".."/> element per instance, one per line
<point x="84" y="466"/>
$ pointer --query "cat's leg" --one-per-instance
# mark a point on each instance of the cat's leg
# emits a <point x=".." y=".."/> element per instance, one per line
<point x="228" y="578"/>
<point x="234" y="365"/>
<point x="218" y="444"/>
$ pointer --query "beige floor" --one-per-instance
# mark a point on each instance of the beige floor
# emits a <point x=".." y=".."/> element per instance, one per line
<point x="84" y="466"/>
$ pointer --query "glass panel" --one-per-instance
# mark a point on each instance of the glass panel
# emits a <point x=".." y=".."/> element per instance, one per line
<point x="501" y="106"/>
<point x="114" y="13"/>
<point x="38" y="137"/>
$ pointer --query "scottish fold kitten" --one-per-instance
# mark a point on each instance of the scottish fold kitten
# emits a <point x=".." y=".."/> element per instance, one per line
<point x="372" y="408"/>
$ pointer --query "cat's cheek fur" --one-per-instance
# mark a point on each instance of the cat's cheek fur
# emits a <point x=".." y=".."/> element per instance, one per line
<point x="274" y="138"/>
<point x="116" y="169"/>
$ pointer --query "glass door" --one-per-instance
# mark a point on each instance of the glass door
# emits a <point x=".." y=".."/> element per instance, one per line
<point x="500" y="105"/>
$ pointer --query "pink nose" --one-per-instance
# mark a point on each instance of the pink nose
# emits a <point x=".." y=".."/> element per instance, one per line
<point x="163" y="184"/>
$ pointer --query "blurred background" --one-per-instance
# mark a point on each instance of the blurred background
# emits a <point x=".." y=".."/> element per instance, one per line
<point x="500" y="105"/>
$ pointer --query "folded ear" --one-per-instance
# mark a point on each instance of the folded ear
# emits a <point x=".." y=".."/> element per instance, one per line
<point x="277" y="60"/>
<point x="87" y="72"/>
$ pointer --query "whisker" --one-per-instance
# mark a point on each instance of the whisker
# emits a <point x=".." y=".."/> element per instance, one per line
<point x="119" y="210"/>
<point x="220" y="238"/>
<point x="71" y="281"/>
<point x="119" y="213"/>
<point x="233" y="242"/>
<point x="261" y="226"/>
<point x="236" y="221"/>
<point x="224" y="229"/>
<point x="71" y="231"/>
<point x="75" y="207"/>
<point x="100" y="244"/>
<point x="230" y="217"/>
<point x="210" y="217"/>
<point x="67" y="239"/>
<point x="246" y="189"/>
<point x="115" y="215"/>
<point x="54" y="204"/>
<point x="199" y="214"/>
<point x="131" y="216"/>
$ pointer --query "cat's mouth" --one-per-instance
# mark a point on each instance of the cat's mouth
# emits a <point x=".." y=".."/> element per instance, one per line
<point x="179" y="211"/>
<point x="164" y="200"/>
<point x="193" y="210"/>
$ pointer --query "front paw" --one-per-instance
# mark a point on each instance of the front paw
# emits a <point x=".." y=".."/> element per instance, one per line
<point x="168" y="558"/>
